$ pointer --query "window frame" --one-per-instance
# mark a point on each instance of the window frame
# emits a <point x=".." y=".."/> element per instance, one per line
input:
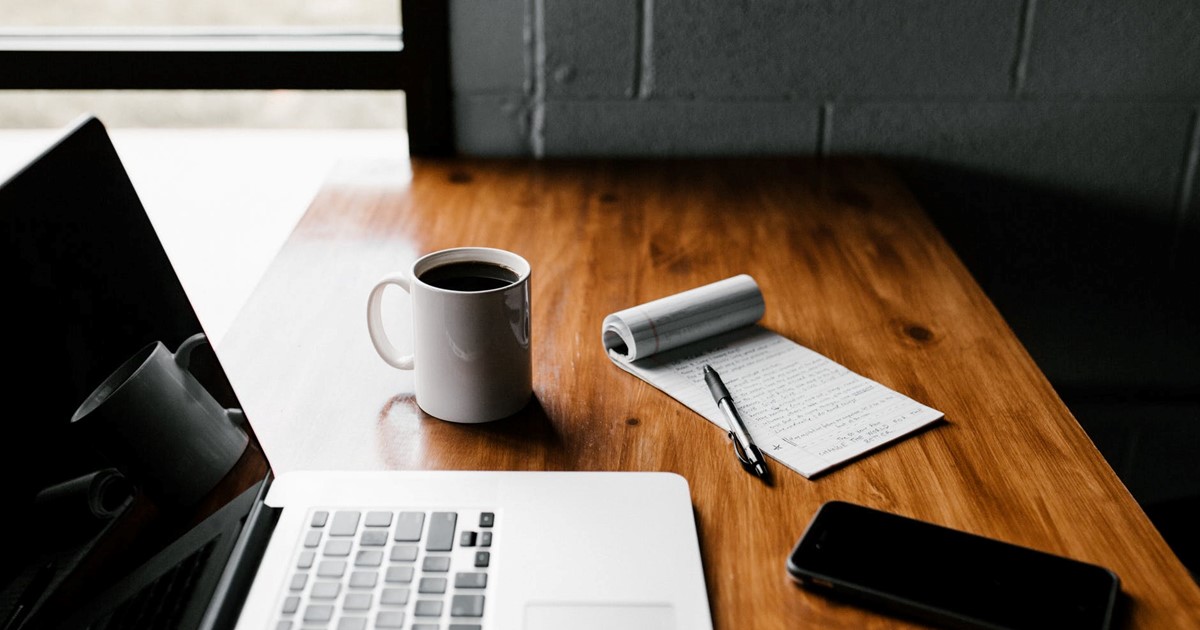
<point x="416" y="60"/>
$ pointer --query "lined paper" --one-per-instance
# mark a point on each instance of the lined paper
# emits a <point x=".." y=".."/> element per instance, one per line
<point x="803" y="409"/>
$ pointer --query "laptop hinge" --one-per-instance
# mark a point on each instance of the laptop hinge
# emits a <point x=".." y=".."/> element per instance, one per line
<point x="231" y="590"/>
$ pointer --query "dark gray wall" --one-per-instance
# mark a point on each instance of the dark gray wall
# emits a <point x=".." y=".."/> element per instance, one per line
<point x="1096" y="98"/>
<point x="1091" y="96"/>
<point x="1055" y="142"/>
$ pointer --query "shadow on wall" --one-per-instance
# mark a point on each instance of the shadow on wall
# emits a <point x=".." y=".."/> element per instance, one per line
<point x="1105" y="299"/>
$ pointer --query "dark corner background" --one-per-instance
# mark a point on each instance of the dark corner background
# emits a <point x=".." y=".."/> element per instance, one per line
<point x="1054" y="142"/>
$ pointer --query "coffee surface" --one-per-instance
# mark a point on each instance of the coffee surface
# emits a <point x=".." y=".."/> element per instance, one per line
<point x="469" y="276"/>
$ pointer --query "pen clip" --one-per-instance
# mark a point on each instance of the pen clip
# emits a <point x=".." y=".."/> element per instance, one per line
<point x="738" y="450"/>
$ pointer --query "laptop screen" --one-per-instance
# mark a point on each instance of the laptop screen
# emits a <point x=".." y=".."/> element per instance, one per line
<point x="121" y="430"/>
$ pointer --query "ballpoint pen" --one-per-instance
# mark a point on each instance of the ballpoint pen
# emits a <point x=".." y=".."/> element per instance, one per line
<point x="743" y="445"/>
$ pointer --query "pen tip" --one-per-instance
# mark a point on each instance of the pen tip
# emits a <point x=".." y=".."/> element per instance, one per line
<point x="707" y="368"/>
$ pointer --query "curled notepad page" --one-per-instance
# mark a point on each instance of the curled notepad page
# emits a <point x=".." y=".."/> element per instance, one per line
<point x="677" y="320"/>
<point x="804" y="410"/>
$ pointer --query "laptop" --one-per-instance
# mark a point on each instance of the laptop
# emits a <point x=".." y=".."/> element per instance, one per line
<point x="99" y="543"/>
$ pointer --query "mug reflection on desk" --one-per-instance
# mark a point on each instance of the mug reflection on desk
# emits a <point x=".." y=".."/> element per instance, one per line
<point x="161" y="427"/>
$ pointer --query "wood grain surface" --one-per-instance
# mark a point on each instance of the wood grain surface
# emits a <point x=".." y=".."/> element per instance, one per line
<point x="850" y="266"/>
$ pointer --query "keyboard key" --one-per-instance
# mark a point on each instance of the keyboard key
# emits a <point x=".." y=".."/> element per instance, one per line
<point x="425" y="626"/>
<point x="368" y="558"/>
<point x="338" y="548"/>
<point x="398" y="575"/>
<point x="466" y="606"/>
<point x="428" y="608"/>
<point x="404" y="553"/>
<point x="325" y="590"/>
<point x="436" y="564"/>
<point x="409" y="526"/>
<point x="318" y="612"/>
<point x="363" y="579"/>
<point x="378" y="519"/>
<point x="360" y="538"/>
<point x="291" y="604"/>
<point x="432" y="585"/>
<point x="357" y="601"/>
<point x="394" y="596"/>
<point x="470" y="580"/>
<point x="352" y="623"/>
<point x="441" y="531"/>
<point x="345" y="523"/>
<point x="373" y="538"/>
<point x="283" y="624"/>
<point x="333" y="568"/>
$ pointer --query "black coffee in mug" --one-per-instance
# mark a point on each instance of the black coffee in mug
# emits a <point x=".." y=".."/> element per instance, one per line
<point x="469" y="276"/>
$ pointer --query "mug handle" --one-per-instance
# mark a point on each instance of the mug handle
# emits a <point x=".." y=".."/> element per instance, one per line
<point x="375" y="322"/>
<point x="183" y="355"/>
<point x="183" y="358"/>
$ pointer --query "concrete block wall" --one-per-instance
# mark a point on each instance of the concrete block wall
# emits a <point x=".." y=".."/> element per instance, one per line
<point x="1096" y="97"/>
<point x="1055" y="141"/>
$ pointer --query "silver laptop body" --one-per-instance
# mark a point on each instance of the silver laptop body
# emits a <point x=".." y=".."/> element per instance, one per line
<point x="412" y="550"/>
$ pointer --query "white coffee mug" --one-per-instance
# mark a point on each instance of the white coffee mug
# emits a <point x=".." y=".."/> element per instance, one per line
<point x="471" y="350"/>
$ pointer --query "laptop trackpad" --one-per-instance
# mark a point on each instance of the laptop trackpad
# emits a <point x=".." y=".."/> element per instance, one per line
<point x="599" y="616"/>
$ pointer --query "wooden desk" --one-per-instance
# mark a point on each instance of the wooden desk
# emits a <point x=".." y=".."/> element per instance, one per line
<point x="850" y="266"/>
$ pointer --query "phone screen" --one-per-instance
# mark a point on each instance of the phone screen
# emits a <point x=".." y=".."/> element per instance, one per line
<point x="942" y="574"/>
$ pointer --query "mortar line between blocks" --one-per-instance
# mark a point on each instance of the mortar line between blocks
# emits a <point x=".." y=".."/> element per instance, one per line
<point x="1020" y="66"/>
<point x="824" y="128"/>
<point x="1187" y="186"/>
<point x="643" y="71"/>
<point x="537" y="126"/>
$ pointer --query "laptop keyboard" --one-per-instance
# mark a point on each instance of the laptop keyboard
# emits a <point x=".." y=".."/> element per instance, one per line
<point x="406" y="570"/>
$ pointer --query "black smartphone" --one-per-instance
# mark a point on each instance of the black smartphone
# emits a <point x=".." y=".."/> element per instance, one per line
<point x="945" y="576"/>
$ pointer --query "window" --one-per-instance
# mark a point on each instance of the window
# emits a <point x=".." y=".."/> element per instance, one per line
<point x="351" y="15"/>
<point x="140" y="45"/>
